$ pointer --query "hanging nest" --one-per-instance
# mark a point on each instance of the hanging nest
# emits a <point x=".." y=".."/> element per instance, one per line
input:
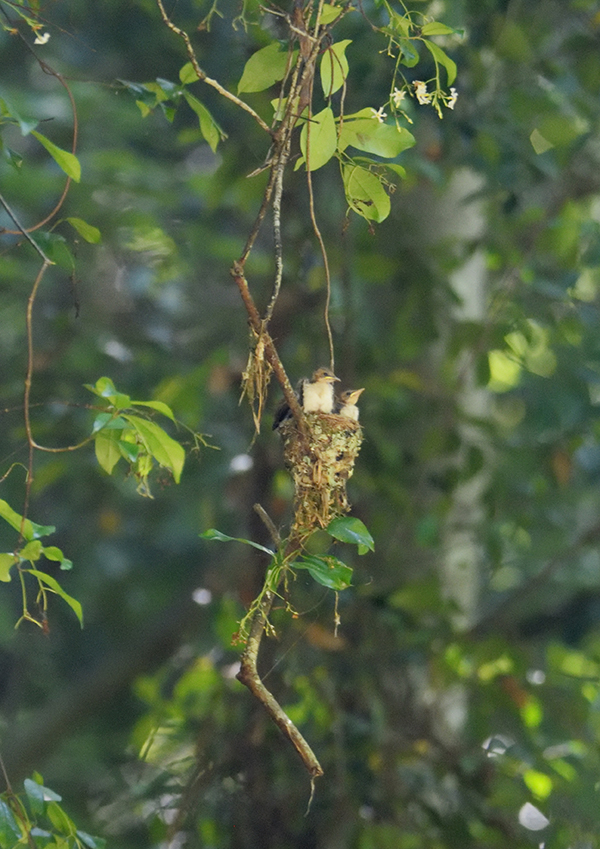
<point x="320" y="469"/>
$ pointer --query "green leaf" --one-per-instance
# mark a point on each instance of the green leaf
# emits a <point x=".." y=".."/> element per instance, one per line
<point x="318" y="140"/>
<point x="31" y="530"/>
<point x="6" y="561"/>
<point x="159" y="444"/>
<point x="187" y="74"/>
<point x="10" y="833"/>
<point x="53" y="585"/>
<point x="105" y="388"/>
<point x="90" y="841"/>
<point x="436" y="28"/>
<point x="108" y="421"/>
<point x="442" y="58"/>
<point x="60" y="820"/>
<point x="32" y="551"/>
<point x="106" y="446"/>
<point x="334" y="67"/>
<point x="38" y="795"/>
<point x="51" y="552"/>
<point x="409" y="55"/>
<point x="264" y="68"/>
<point x="65" y="160"/>
<point x="370" y="135"/>
<point x="159" y="406"/>
<point x="329" y="13"/>
<point x="213" y="533"/>
<point x="365" y="193"/>
<point x="208" y="126"/>
<point x="352" y="530"/>
<point x="397" y="169"/>
<point x="328" y="571"/>
<point x="86" y="231"/>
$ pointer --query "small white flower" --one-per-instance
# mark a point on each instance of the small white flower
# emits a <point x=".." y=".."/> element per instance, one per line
<point x="422" y="95"/>
<point x="453" y="97"/>
<point x="42" y="38"/>
<point x="379" y="114"/>
<point x="398" y="96"/>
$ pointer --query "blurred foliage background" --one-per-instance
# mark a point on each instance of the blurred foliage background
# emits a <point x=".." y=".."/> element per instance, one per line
<point x="460" y="704"/>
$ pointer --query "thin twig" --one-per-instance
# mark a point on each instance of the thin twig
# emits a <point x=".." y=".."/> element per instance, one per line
<point x="202" y="76"/>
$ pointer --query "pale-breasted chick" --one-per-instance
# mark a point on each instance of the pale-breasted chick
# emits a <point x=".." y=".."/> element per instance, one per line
<point x="347" y="405"/>
<point x="314" y="396"/>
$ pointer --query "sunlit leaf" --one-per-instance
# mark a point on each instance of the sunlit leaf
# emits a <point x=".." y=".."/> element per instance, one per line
<point x="159" y="406"/>
<point x="65" y="160"/>
<point x="53" y="585"/>
<point x="318" y="140"/>
<point x="31" y="530"/>
<point x="436" y="28"/>
<point x="106" y="445"/>
<point x="208" y="126"/>
<point x="86" y="231"/>
<point x="187" y="74"/>
<point x="334" y="67"/>
<point x="263" y="69"/>
<point x="6" y="561"/>
<point x="443" y="59"/>
<point x="365" y="193"/>
<point x="166" y="451"/>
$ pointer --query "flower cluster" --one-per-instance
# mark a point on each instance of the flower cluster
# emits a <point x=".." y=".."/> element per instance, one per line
<point x="434" y="98"/>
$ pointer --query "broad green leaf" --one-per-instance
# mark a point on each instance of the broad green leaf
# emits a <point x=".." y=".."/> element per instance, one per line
<point x="6" y="561"/>
<point x="213" y="533"/>
<point x="370" y="135"/>
<point x="397" y="169"/>
<point x="328" y="571"/>
<point x="159" y="444"/>
<point x="65" y="160"/>
<point x="86" y="231"/>
<point x="409" y="55"/>
<point x="106" y="446"/>
<point x="108" y="421"/>
<point x="159" y="406"/>
<point x="334" y="67"/>
<point x="187" y="74"/>
<point x="53" y="585"/>
<point x="31" y="530"/>
<point x="443" y="59"/>
<point x="318" y="140"/>
<point x="32" y="551"/>
<point x="129" y="450"/>
<point x="104" y="387"/>
<point x="208" y="126"/>
<point x="38" y="795"/>
<point x="365" y="194"/>
<point x="56" y="249"/>
<point x="60" y="820"/>
<point x="400" y="23"/>
<point x="10" y="833"/>
<point x="90" y="841"/>
<point x="436" y="28"/>
<point x="264" y="68"/>
<point x="352" y="530"/>
<point x="51" y="552"/>
<point x="329" y="13"/>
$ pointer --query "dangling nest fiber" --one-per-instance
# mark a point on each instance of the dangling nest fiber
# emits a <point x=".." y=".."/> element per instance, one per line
<point x="321" y="472"/>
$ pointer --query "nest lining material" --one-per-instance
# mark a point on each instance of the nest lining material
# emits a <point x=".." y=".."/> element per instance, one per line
<point x="320" y="469"/>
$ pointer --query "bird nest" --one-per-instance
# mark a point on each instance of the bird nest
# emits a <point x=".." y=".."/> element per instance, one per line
<point x="320" y="467"/>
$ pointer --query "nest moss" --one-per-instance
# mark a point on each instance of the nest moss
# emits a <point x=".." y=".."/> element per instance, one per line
<point x="320" y="467"/>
